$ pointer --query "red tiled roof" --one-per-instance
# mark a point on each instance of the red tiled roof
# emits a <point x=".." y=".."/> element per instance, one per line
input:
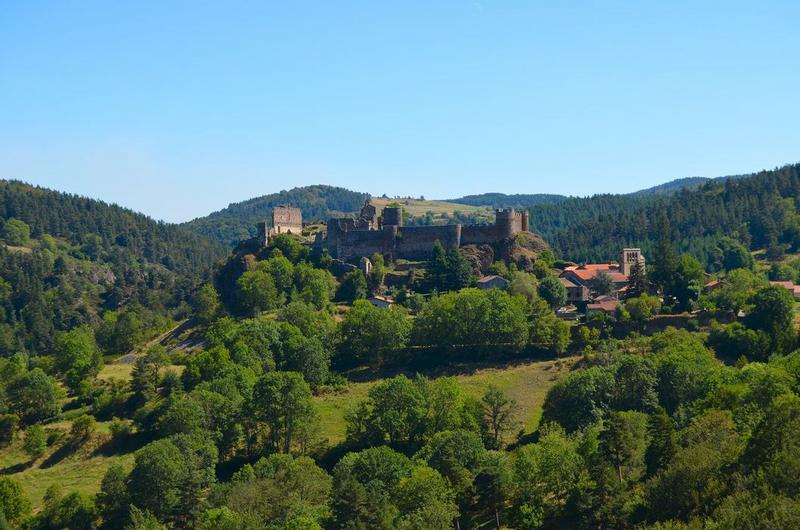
<point x="608" y="306"/>
<point x="593" y="267"/>
<point x="589" y="274"/>
<point x="795" y="289"/>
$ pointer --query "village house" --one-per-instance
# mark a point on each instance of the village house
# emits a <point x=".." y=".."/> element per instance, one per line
<point x="605" y="304"/>
<point x="712" y="286"/>
<point x="789" y="286"/>
<point x="493" y="282"/>
<point x="578" y="278"/>
<point x="381" y="302"/>
<point x="576" y="292"/>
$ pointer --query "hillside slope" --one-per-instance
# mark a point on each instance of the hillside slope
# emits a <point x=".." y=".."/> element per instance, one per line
<point x="500" y="200"/>
<point x="67" y="261"/>
<point x="752" y="208"/>
<point x="80" y="220"/>
<point x="238" y="220"/>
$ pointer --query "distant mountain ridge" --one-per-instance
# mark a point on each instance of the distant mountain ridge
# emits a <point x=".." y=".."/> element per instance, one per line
<point x="521" y="200"/>
<point x="673" y="186"/>
<point x="686" y="183"/>
<point x="237" y="221"/>
<point x="499" y="200"/>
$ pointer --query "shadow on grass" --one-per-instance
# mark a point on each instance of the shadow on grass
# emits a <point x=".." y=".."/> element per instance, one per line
<point x="67" y="449"/>
<point x="128" y="444"/>
<point x="432" y="364"/>
<point x="16" y="468"/>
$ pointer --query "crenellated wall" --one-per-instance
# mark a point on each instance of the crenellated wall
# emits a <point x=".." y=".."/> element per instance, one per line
<point x="417" y="241"/>
<point x="347" y="240"/>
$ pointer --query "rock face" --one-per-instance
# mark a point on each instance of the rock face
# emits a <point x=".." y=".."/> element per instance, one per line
<point x="522" y="249"/>
<point x="480" y="257"/>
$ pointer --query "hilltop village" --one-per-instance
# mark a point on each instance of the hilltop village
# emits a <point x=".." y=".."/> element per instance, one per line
<point x="354" y="241"/>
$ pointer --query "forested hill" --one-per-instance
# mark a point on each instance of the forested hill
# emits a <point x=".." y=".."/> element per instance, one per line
<point x="107" y="228"/>
<point x="500" y="200"/>
<point x="673" y="186"/>
<point x="68" y="261"/>
<point x="238" y="220"/>
<point x="756" y="209"/>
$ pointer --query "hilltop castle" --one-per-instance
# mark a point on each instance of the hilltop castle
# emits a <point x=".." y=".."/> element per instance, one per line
<point x="285" y="220"/>
<point x="350" y="238"/>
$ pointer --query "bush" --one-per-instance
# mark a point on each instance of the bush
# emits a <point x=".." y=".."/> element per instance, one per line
<point x="8" y="428"/>
<point x="82" y="427"/>
<point x="35" y="442"/>
<point x="16" y="232"/>
<point x="120" y="431"/>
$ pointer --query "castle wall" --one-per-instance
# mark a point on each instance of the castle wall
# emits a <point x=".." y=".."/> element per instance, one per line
<point x="363" y="243"/>
<point x="479" y="235"/>
<point x="418" y="241"/>
<point x="348" y="239"/>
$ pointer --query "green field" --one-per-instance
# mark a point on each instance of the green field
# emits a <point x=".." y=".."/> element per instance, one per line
<point x="418" y="207"/>
<point x="527" y="383"/>
<point x="79" y="470"/>
<point x="83" y="469"/>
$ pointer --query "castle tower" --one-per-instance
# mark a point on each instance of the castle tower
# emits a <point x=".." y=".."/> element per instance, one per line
<point x="504" y="222"/>
<point x="525" y="220"/>
<point x="393" y="216"/>
<point x="287" y="220"/>
<point x="262" y="234"/>
<point x="366" y="219"/>
<point x="628" y="257"/>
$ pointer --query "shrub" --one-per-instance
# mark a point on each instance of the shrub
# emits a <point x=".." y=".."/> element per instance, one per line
<point x="35" y="441"/>
<point x="82" y="427"/>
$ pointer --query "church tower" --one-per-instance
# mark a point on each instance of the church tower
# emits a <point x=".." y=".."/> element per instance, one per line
<point x="628" y="257"/>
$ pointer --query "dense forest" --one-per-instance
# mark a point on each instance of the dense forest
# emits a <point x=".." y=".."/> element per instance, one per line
<point x="501" y="200"/>
<point x="70" y="261"/>
<point x="238" y="221"/>
<point x="758" y="210"/>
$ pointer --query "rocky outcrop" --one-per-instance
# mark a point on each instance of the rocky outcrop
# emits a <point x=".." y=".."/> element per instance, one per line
<point x="523" y="249"/>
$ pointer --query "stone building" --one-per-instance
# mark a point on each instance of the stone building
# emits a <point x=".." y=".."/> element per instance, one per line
<point x="493" y="282"/>
<point x="287" y="220"/>
<point x="350" y="238"/>
<point x="578" y="278"/>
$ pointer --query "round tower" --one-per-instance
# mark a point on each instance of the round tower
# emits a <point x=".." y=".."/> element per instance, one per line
<point x="504" y="223"/>
<point x="393" y="216"/>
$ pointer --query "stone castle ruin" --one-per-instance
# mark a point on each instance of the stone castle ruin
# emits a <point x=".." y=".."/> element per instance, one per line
<point x="350" y="238"/>
<point x="285" y="220"/>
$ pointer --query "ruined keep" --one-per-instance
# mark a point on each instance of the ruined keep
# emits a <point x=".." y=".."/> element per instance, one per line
<point x="287" y="220"/>
<point x="349" y="238"/>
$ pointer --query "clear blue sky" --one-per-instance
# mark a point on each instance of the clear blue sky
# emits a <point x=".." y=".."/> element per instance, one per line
<point x="177" y="109"/>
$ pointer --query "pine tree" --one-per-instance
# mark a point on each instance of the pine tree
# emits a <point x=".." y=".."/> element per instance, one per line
<point x="637" y="280"/>
<point x="665" y="261"/>
<point x="459" y="270"/>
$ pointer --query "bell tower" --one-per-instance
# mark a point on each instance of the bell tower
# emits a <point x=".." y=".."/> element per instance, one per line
<point x="628" y="257"/>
